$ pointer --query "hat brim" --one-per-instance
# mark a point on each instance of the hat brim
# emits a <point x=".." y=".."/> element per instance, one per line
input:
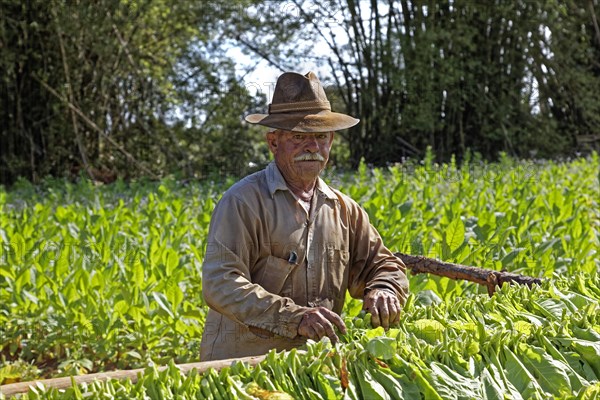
<point x="323" y="121"/>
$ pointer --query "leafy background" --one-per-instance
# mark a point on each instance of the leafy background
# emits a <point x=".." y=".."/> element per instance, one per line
<point x="106" y="277"/>
<point x="157" y="87"/>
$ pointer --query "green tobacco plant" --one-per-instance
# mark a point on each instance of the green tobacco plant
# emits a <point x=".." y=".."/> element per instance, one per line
<point x="97" y="278"/>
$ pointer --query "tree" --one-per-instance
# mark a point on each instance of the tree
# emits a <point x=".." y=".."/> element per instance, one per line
<point x="568" y="72"/>
<point x="99" y="88"/>
<point x="458" y="76"/>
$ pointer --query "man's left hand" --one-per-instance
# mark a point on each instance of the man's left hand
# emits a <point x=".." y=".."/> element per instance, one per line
<point x="383" y="306"/>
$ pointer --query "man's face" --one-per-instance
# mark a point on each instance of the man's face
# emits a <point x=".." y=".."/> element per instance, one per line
<point x="300" y="156"/>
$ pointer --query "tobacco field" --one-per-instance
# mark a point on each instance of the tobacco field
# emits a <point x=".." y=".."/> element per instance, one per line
<point x="99" y="278"/>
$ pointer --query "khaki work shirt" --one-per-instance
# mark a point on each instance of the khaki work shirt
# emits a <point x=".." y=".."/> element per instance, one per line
<point x="267" y="260"/>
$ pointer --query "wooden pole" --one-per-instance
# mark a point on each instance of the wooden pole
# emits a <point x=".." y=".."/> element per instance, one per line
<point x="13" y="389"/>
<point x="486" y="277"/>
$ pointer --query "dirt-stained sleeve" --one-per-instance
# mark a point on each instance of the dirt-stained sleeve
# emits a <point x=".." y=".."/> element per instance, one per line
<point x="227" y="286"/>
<point x="372" y="264"/>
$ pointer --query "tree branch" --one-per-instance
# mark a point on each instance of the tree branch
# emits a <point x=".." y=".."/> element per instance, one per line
<point x="71" y="97"/>
<point x="136" y="70"/>
<point x="260" y="53"/>
<point x="95" y="127"/>
<point x="486" y="277"/>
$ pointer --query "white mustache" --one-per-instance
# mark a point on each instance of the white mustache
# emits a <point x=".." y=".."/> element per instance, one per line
<point x="310" y="157"/>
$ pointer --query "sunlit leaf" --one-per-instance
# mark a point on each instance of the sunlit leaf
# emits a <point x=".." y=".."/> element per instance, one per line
<point x="455" y="234"/>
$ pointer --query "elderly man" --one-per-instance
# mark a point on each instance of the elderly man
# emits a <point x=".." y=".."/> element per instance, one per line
<point x="284" y="248"/>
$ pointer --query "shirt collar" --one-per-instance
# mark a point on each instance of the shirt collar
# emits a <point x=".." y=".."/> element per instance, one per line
<point x="275" y="182"/>
<point x="325" y="189"/>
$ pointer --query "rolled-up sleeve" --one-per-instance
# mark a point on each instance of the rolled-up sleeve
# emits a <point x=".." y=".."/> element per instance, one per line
<point x="228" y="286"/>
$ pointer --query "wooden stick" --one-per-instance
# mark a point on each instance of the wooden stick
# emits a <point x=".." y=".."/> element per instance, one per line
<point x="13" y="389"/>
<point x="486" y="277"/>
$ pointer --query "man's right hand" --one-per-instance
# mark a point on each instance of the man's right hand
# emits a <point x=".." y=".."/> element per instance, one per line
<point x="319" y="322"/>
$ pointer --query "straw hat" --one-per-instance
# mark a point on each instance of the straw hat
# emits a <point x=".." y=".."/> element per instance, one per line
<point x="300" y="105"/>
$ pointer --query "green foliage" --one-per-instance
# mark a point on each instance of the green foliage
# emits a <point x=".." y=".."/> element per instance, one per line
<point x="459" y="76"/>
<point x="535" y="218"/>
<point x="103" y="279"/>
<point x="148" y="88"/>
<point x="95" y="278"/>
<point x="477" y="352"/>
<point x="118" y="89"/>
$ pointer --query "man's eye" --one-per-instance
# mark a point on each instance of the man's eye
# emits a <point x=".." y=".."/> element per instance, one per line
<point x="322" y="136"/>
<point x="298" y="137"/>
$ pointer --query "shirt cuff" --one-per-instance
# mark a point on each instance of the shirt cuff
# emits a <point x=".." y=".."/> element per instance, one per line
<point x="285" y="326"/>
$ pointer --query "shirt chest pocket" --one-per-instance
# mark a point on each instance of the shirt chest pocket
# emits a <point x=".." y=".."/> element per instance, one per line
<point x="273" y="274"/>
<point x="337" y="270"/>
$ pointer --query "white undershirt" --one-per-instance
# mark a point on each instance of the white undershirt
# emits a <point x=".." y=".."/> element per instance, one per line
<point x="305" y="204"/>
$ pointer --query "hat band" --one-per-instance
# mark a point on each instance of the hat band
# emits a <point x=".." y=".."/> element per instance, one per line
<point x="299" y="106"/>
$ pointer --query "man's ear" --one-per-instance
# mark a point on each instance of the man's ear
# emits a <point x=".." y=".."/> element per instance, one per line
<point x="272" y="141"/>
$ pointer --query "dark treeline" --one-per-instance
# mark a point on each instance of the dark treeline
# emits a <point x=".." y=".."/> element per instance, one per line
<point x="144" y="88"/>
